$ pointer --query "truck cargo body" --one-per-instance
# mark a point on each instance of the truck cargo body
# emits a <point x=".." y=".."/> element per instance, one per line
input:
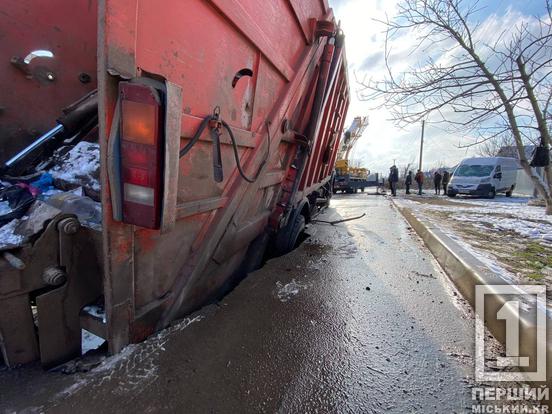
<point x="272" y="74"/>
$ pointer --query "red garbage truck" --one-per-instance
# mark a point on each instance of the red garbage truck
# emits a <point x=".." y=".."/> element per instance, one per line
<point x="218" y="124"/>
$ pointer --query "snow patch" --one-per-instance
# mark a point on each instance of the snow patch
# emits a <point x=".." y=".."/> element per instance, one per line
<point x="502" y="214"/>
<point x="7" y="236"/>
<point x="81" y="164"/>
<point x="287" y="291"/>
<point x="4" y="208"/>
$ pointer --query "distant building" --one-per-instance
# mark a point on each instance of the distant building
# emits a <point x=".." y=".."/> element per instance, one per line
<point x="512" y="152"/>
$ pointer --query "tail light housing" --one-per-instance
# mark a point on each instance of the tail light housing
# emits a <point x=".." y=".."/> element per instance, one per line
<point x="142" y="145"/>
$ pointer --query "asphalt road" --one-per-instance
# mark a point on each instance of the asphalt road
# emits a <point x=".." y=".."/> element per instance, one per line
<point x="357" y="319"/>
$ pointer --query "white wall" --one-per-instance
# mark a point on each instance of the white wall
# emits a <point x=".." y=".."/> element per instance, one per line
<point x="524" y="185"/>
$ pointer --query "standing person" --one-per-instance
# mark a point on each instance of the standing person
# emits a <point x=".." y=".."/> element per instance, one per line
<point x="408" y="182"/>
<point x="393" y="179"/>
<point x="437" y="177"/>
<point x="419" y="177"/>
<point x="446" y="179"/>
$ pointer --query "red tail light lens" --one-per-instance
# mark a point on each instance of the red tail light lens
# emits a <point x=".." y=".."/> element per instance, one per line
<point x="141" y="154"/>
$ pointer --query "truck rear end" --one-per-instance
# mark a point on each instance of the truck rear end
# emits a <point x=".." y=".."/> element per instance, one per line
<point x="218" y="126"/>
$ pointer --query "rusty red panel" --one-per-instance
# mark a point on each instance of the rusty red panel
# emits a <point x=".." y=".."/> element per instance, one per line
<point x="343" y="112"/>
<point x="324" y="142"/>
<point x="330" y="127"/>
<point x="286" y="36"/>
<point x="328" y="118"/>
<point x="39" y="90"/>
<point x="200" y="45"/>
<point x="314" y="166"/>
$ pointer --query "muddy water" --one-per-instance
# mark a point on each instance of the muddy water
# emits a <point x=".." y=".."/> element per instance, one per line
<point x="358" y="319"/>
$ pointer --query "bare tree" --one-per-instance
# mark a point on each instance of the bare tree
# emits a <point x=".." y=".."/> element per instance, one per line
<point x="469" y="84"/>
<point x="491" y="147"/>
<point x="406" y="167"/>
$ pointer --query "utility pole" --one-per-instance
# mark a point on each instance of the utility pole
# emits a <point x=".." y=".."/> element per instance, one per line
<point x="422" y="145"/>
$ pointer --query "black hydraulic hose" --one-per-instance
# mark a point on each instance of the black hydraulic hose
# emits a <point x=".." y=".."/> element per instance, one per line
<point x="200" y="130"/>
<point x="196" y="136"/>
<point x="237" y="156"/>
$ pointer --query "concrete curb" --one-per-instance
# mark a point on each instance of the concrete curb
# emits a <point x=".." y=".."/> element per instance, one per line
<point x="466" y="272"/>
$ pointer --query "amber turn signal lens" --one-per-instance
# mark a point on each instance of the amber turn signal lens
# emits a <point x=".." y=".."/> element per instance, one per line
<point x="139" y="122"/>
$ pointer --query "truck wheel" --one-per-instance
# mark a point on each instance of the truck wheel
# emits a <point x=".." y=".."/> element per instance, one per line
<point x="287" y="237"/>
<point x="492" y="193"/>
<point x="451" y="195"/>
<point x="253" y="259"/>
<point x="362" y="190"/>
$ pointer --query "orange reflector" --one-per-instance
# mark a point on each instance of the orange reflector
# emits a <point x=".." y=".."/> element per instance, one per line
<point x="139" y="122"/>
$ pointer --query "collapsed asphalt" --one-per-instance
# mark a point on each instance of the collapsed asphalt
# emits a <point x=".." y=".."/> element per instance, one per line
<point x="357" y="319"/>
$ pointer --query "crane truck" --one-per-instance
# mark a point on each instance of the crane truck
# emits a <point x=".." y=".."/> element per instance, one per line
<point x="349" y="179"/>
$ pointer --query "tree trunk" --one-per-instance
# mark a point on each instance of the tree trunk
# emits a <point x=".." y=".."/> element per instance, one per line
<point x="546" y="183"/>
<point x="540" y="184"/>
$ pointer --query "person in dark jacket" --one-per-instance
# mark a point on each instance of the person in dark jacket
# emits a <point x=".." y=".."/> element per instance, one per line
<point x="419" y="177"/>
<point x="446" y="179"/>
<point x="437" y="178"/>
<point x="408" y="182"/>
<point x="393" y="179"/>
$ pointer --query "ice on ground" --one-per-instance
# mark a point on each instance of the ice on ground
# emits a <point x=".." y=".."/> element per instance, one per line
<point x="89" y="341"/>
<point x="80" y="166"/>
<point x="132" y="369"/>
<point x="7" y="236"/>
<point x="287" y="291"/>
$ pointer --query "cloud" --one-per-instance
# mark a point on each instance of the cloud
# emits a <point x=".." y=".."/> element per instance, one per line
<point x="371" y="61"/>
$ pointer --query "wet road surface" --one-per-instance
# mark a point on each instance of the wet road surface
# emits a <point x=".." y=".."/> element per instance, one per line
<point x="357" y="319"/>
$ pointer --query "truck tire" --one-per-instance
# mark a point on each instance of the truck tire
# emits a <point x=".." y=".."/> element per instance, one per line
<point x="287" y="237"/>
<point x="491" y="194"/>
<point x="254" y="257"/>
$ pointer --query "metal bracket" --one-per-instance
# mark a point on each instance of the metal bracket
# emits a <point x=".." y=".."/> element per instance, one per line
<point x="215" y="125"/>
<point x="325" y="28"/>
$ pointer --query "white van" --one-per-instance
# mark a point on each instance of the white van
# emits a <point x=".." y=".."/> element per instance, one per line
<point x="484" y="177"/>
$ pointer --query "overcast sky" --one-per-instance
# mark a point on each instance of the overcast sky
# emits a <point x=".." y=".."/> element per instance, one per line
<point x="382" y="143"/>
